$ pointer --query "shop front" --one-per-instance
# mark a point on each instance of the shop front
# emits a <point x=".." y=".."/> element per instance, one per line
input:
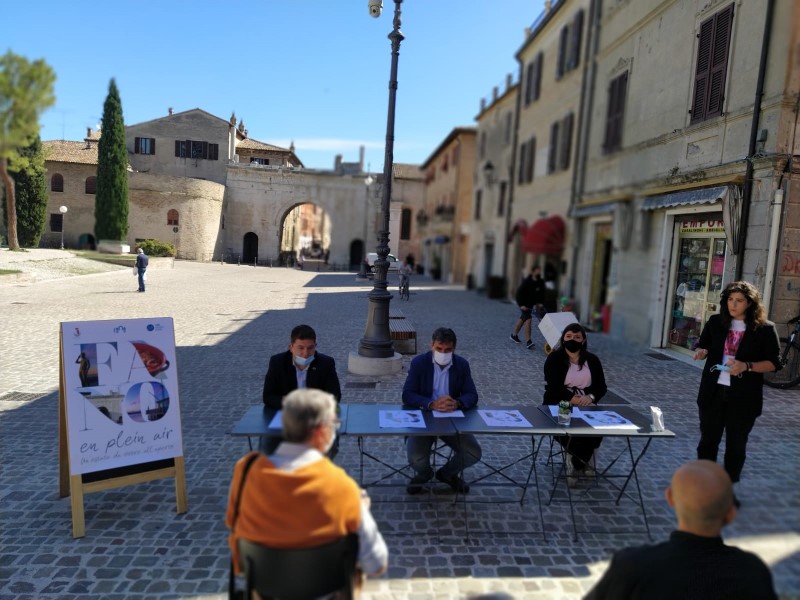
<point x="696" y="279"/>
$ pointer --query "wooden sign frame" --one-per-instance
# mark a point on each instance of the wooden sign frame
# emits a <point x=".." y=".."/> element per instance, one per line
<point x="77" y="485"/>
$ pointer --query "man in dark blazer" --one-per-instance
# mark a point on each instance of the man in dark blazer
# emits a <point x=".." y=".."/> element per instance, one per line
<point x="442" y="381"/>
<point x="695" y="562"/>
<point x="301" y="366"/>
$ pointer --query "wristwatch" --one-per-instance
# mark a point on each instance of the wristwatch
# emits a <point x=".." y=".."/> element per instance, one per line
<point x="749" y="366"/>
<point x="592" y="397"/>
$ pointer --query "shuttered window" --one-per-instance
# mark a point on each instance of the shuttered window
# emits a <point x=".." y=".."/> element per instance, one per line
<point x="530" y="158"/>
<point x="576" y="32"/>
<point x="530" y="79"/>
<point x="552" y="155"/>
<point x="172" y="217"/>
<point x="523" y="148"/>
<point x="563" y="43"/>
<point x="57" y="183"/>
<point x="712" y="65"/>
<point x="478" y="200"/>
<point x="615" y="113"/>
<point x="143" y="145"/>
<point x="90" y="185"/>
<point x="565" y="144"/>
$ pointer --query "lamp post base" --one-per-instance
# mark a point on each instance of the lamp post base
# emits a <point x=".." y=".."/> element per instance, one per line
<point x="364" y="365"/>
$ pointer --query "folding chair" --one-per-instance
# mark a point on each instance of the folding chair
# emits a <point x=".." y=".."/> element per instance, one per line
<point x="299" y="574"/>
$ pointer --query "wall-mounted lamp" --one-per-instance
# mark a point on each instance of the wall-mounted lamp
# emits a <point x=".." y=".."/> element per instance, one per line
<point x="488" y="173"/>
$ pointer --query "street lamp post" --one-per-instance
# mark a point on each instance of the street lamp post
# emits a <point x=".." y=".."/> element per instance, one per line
<point x="368" y="180"/>
<point x="63" y="210"/>
<point x="377" y="342"/>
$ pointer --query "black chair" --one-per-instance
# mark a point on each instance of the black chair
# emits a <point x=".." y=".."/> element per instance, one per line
<point x="299" y="574"/>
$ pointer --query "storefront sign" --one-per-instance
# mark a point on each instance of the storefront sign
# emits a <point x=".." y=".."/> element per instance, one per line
<point x="702" y="226"/>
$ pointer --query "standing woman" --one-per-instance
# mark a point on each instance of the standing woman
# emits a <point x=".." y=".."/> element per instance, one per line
<point x="574" y="374"/>
<point x="741" y="339"/>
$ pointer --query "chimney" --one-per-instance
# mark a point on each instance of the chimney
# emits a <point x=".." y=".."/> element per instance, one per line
<point x="509" y="81"/>
<point x="494" y="94"/>
<point x="170" y="110"/>
<point x="361" y="159"/>
<point x="483" y="104"/>
<point x="88" y="132"/>
<point x="548" y="4"/>
<point x="337" y="163"/>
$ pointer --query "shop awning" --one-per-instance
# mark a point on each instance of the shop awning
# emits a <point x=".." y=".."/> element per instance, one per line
<point x="591" y="210"/>
<point x="439" y="239"/>
<point x="688" y="197"/>
<point x="545" y="236"/>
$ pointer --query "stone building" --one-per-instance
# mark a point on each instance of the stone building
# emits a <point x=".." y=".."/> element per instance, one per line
<point x="494" y="178"/>
<point x="687" y="183"/>
<point x="445" y="220"/>
<point x="199" y="181"/>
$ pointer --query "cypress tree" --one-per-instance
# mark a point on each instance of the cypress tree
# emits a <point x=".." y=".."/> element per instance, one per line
<point x="111" y="197"/>
<point x="30" y="196"/>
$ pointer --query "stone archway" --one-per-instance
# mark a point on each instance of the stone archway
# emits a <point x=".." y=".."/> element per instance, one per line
<point x="357" y="253"/>
<point x="249" y="248"/>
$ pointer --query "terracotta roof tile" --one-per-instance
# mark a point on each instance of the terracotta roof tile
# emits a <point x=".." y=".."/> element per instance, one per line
<point x="70" y="152"/>
<point x="252" y="144"/>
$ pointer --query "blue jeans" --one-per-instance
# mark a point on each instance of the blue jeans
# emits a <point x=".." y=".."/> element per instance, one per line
<point x="141" y="279"/>
<point x="466" y="452"/>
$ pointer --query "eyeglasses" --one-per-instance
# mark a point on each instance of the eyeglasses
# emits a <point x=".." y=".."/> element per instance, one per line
<point x="336" y="424"/>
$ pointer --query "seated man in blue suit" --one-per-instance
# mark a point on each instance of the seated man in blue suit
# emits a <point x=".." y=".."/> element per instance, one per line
<point x="301" y="366"/>
<point x="440" y="380"/>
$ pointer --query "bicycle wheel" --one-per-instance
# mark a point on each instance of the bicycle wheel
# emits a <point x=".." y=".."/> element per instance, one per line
<point x="789" y="375"/>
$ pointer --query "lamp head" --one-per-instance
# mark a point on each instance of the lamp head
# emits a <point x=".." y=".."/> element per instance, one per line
<point x="63" y="209"/>
<point x="375" y="8"/>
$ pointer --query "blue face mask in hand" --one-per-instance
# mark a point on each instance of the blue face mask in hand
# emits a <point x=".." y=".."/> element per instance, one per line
<point x="720" y="368"/>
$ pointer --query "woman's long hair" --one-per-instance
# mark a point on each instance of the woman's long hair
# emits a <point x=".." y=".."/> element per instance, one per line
<point x="755" y="316"/>
<point x="574" y="328"/>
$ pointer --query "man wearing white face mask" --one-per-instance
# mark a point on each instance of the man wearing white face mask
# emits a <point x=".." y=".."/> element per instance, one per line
<point x="301" y="366"/>
<point x="442" y="381"/>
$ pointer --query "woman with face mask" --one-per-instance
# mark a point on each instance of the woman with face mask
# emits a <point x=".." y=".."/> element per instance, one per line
<point x="574" y="374"/>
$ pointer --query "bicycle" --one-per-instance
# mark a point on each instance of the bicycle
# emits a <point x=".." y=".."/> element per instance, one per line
<point x="789" y="375"/>
<point x="404" y="289"/>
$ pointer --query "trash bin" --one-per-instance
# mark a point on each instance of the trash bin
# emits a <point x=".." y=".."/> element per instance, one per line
<point x="496" y="287"/>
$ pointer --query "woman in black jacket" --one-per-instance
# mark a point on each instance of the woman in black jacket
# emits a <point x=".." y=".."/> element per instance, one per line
<point x="574" y="374"/>
<point x="745" y="345"/>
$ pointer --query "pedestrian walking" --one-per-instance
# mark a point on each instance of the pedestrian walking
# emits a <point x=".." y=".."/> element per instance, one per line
<point x="141" y="267"/>
<point x="530" y="295"/>
<point x="739" y="345"/>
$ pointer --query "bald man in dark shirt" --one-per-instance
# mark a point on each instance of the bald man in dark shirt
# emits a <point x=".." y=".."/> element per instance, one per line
<point x="695" y="562"/>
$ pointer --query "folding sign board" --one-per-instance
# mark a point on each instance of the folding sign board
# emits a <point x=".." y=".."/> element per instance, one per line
<point x="120" y="421"/>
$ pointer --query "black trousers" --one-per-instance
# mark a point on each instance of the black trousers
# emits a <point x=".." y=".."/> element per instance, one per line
<point x="580" y="449"/>
<point x="735" y="418"/>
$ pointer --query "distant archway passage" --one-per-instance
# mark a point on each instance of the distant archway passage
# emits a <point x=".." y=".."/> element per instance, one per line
<point x="356" y="253"/>
<point x="250" y="247"/>
<point x="305" y="230"/>
<point x="86" y="241"/>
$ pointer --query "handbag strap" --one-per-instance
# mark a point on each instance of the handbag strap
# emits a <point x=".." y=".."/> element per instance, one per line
<point x="247" y="465"/>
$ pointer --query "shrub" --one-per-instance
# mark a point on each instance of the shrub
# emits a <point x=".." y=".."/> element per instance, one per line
<point x="157" y="248"/>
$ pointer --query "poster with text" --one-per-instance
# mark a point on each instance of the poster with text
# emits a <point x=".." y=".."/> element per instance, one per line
<point x="121" y="393"/>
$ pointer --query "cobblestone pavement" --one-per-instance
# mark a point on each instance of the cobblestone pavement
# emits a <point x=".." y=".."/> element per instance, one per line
<point x="228" y="321"/>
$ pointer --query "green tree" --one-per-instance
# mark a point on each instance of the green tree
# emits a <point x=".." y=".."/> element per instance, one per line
<point x="30" y="196"/>
<point x="111" y="197"/>
<point x="26" y="90"/>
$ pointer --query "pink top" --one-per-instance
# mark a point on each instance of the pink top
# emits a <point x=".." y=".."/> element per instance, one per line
<point x="578" y="377"/>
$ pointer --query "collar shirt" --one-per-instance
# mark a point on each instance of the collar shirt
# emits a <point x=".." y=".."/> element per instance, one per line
<point x="302" y="374"/>
<point x="441" y="380"/>
<point x="290" y="456"/>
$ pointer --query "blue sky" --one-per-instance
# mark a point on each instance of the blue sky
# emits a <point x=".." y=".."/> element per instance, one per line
<point x="313" y="71"/>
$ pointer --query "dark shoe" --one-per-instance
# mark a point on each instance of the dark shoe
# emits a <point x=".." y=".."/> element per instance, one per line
<point x="417" y="483"/>
<point x="530" y="345"/>
<point x="515" y="339"/>
<point x="454" y="481"/>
